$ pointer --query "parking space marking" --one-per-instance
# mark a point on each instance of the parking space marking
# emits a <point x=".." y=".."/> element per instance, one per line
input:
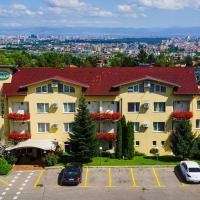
<point x="4" y="182"/>
<point x="133" y="178"/>
<point x="38" y="179"/>
<point x="109" y="178"/>
<point x="86" y="177"/>
<point x="157" y="179"/>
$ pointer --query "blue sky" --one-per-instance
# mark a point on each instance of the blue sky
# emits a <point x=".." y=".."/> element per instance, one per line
<point x="99" y="13"/>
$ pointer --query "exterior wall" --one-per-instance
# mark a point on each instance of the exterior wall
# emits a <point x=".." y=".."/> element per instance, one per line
<point x="147" y="136"/>
<point x="3" y="125"/>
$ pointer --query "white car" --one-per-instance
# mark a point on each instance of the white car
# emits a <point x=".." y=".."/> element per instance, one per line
<point x="190" y="171"/>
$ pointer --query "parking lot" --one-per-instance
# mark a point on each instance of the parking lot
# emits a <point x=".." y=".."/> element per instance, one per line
<point x="99" y="183"/>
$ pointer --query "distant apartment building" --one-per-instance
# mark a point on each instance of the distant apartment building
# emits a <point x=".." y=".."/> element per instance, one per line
<point x="38" y="105"/>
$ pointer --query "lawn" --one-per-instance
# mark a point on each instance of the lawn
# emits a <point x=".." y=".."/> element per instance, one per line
<point x="138" y="160"/>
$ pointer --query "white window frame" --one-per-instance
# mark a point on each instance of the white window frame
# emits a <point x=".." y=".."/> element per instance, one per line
<point x="160" y="88"/>
<point x="135" y="88"/>
<point x="153" y="144"/>
<point x="64" y="86"/>
<point x="68" y="127"/>
<point x="135" y="106"/>
<point x="199" y="105"/>
<point x="44" y="107"/>
<point x="197" y="120"/>
<point x="46" y="127"/>
<point x="137" y="145"/>
<point x="134" y="123"/>
<point x="47" y="89"/>
<point x="159" y="103"/>
<point x="68" y="107"/>
<point x="157" y="131"/>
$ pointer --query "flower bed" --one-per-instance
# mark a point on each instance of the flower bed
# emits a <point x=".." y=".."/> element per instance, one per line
<point x="17" y="136"/>
<point x="106" y="116"/>
<point x="107" y="136"/>
<point x="182" y="115"/>
<point x="17" y="116"/>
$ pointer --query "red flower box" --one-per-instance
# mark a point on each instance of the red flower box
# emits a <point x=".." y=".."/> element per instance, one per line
<point x="17" y="116"/>
<point x="107" y="136"/>
<point x="182" y="115"/>
<point x="17" y="136"/>
<point x="106" y="116"/>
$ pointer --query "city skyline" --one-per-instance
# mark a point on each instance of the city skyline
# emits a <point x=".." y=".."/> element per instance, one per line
<point x="93" y="13"/>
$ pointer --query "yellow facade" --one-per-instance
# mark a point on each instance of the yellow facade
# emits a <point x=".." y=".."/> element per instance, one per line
<point x="145" y="136"/>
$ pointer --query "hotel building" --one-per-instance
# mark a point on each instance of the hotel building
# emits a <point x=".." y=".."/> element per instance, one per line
<point x="38" y="105"/>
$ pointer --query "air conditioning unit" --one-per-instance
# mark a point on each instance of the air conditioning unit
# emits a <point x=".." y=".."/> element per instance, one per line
<point x="55" y="105"/>
<point x="54" y="84"/>
<point x="55" y="126"/>
<point x="145" y="125"/>
<point x="147" y="84"/>
<point x="146" y="105"/>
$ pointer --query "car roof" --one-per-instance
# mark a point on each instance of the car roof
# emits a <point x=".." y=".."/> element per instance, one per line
<point x="190" y="164"/>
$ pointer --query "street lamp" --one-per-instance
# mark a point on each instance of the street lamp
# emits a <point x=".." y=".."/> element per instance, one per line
<point x="100" y="151"/>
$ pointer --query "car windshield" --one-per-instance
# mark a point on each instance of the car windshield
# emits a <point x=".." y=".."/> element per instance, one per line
<point x="194" y="169"/>
<point x="72" y="172"/>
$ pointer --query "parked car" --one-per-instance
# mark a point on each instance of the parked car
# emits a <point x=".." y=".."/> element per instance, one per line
<point x="190" y="171"/>
<point x="71" y="174"/>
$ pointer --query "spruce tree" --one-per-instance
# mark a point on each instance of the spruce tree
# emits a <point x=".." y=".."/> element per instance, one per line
<point x="130" y="140"/>
<point x="82" y="139"/>
<point x="119" y="140"/>
<point x="195" y="151"/>
<point x="124" y="136"/>
<point x="181" y="140"/>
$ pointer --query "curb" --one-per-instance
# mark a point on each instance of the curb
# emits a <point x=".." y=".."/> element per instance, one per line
<point x="128" y="166"/>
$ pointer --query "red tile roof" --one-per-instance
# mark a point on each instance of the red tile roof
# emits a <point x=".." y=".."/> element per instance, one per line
<point x="101" y="81"/>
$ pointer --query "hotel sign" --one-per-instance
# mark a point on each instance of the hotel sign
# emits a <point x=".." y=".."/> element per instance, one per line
<point x="4" y="75"/>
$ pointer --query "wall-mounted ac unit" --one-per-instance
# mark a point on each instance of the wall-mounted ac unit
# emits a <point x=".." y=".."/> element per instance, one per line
<point x="146" y="105"/>
<point x="54" y="84"/>
<point x="55" y="105"/>
<point x="145" y="125"/>
<point x="147" y="84"/>
<point x="55" y="126"/>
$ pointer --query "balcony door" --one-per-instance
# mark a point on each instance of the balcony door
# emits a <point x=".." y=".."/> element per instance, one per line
<point x="181" y="106"/>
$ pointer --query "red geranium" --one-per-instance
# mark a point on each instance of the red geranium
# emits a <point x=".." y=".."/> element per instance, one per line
<point x="107" y="136"/>
<point x="17" y="116"/>
<point x="17" y="136"/>
<point x="106" y="116"/>
<point x="182" y="115"/>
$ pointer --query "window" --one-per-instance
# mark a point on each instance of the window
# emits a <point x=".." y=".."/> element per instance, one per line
<point x="198" y="105"/>
<point x="133" y="107"/>
<point x="158" y="88"/>
<point x="68" y="127"/>
<point x="69" y="107"/>
<point x="43" y="127"/>
<point x="137" y="143"/>
<point x="65" y="88"/>
<point x="159" y="126"/>
<point x="136" y="126"/>
<point x="110" y="145"/>
<point x="136" y="88"/>
<point x="198" y="123"/>
<point x="163" y="143"/>
<point x="154" y="143"/>
<point x="42" y="107"/>
<point x="44" y="89"/>
<point x="159" y="107"/>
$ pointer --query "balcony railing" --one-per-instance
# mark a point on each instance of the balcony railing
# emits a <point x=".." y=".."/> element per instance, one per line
<point x="106" y="116"/>
<point x="182" y="115"/>
<point x="18" y="136"/>
<point x="107" y="136"/>
<point x="17" y="116"/>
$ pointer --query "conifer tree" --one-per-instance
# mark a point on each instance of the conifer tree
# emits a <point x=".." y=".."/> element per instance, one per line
<point x="82" y="139"/>
<point x="119" y="140"/>
<point x="124" y="136"/>
<point x="130" y="140"/>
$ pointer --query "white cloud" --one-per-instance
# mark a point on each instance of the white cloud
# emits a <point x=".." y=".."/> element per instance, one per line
<point x="77" y="6"/>
<point x="170" y="4"/>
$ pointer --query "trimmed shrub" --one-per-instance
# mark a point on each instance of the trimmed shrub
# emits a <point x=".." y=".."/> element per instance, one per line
<point x="11" y="159"/>
<point x="4" y="167"/>
<point x="137" y="153"/>
<point x="51" y="160"/>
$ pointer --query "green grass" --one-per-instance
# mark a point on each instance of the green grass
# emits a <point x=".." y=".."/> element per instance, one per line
<point x="138" y="160"/>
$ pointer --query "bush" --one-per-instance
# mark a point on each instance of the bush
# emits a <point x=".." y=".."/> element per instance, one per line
<point x="51" y="160"/>
<point x="4" y="167"/>
<point x="106" y="154"/>
<point x="137" y="153"/>
<point x="11" y="159"/>
<point x="154" y="151"/>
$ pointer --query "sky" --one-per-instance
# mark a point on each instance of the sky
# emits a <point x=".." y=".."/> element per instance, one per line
<point x="100" y="13"/>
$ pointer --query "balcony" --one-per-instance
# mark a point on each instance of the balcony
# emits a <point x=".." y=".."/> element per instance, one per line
<point x="182" y="115"/>
<point x="19" y="117"/>
<point x="106" y="116"/>
<point x="107" y="136"/>
<point x="19" y="136"/>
